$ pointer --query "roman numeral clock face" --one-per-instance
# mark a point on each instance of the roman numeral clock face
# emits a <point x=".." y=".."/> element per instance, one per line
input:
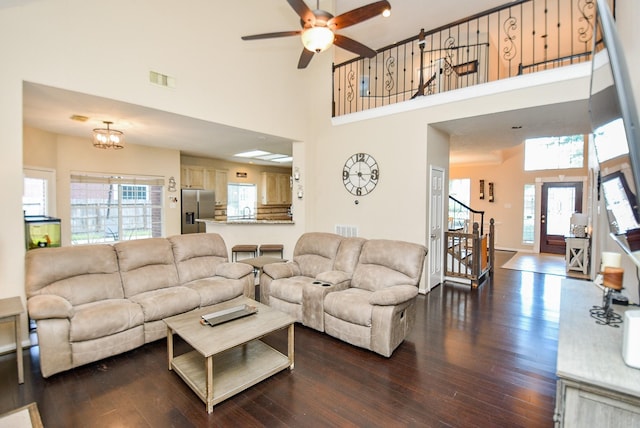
<point x="360" y="174"/>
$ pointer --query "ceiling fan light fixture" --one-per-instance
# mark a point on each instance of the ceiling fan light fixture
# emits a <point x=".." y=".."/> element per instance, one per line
<point x="107" y="138"/>
<point x="386" y="13"/>
<point x="317" y="39"/>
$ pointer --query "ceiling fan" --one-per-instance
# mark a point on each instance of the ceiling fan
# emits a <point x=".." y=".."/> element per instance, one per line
<point x="319" y="29"/>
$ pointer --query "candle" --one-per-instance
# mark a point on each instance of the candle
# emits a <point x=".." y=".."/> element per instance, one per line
<point x="612" y="277"/>
<point x="611" y="259"/>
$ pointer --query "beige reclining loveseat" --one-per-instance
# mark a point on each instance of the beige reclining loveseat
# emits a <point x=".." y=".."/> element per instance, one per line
<point x="360" y="291"/>
<point x="94" y="301"/>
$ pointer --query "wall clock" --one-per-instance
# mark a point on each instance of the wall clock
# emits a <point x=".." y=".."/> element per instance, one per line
<point x="360" y="174"/>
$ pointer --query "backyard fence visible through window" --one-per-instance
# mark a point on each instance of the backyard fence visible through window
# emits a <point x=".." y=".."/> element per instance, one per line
<point x="109" y="209"/>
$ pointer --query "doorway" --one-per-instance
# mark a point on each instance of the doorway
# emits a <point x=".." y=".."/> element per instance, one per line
<point x="558" y="202"/>
<point x="436" y="228"/>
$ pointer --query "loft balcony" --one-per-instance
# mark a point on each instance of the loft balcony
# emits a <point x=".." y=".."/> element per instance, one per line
<point x="521" y="37"/>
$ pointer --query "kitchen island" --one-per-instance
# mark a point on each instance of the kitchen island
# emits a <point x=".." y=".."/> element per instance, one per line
<point x="258" y="232"/>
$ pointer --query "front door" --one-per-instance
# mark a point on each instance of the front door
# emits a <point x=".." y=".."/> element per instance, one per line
<point x="559" y="202"/>
<point x="436" y="220"/>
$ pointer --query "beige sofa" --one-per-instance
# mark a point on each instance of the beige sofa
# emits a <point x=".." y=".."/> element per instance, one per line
<point x="360" y="291"/>
<point x="91" y="302"/>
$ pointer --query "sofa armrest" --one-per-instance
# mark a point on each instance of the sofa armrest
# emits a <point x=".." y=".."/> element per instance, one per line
<point x="233" y="270"/>
<point x="281" y="270"/>
<point x="47" y="306"/>
<point x="334" y="277"/>
<point x="393" y="295"/>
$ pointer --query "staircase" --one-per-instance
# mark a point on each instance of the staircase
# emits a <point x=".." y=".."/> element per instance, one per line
<point x="470" y="253"/>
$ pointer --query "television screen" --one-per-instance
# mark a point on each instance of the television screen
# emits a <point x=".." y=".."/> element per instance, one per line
<point x="614" y="119"/>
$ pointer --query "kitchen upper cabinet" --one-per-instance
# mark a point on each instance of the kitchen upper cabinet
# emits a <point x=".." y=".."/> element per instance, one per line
<point x="276" y="188"/>
<point x="220" y="186"/>
<point x="198" y="177"/>
<point x="192" y="177"/>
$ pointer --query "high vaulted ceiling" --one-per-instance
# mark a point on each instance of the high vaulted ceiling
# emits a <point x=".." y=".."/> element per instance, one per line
<point x="49" y="108"/>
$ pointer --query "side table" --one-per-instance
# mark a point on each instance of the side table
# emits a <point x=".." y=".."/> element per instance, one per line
<point x="577" y="254"/>
<point x="258" y="263"/>
<point x="11" y="309"/>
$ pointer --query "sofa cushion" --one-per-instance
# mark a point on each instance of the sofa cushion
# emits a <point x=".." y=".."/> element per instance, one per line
<point x="315" y="252"/>
<point x="393" y="295"/>
<point x="348" y="254"/>
<point x="281" y="270"/>
<point x="385" y="263"/>
<point x="81" y="274"/>
<point x="104" y="318"/>
<point x="197" y="255"/>
<point x="216" y="290"/>
<point x="289" y="289"/>
<point x="146" y="265"/>
<point x="166" y="302"/>
<point x="233" y="270"/>
<point x="350" y="305"/>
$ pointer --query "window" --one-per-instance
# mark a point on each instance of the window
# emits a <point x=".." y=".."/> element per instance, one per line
<point x="38" y="197"/>
<point x="109" y="209"/>
<point x="133" y="193"/>
<point x="242" y="200"/>
<point x="528" y="226"/>
<point x="34" y="199"/>
<point x="554" y="153"/>
<point x="610" y="140"/>
<point x="460" y="189"/>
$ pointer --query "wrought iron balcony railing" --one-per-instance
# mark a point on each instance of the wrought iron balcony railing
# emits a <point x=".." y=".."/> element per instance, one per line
<point x="520" y="37"/>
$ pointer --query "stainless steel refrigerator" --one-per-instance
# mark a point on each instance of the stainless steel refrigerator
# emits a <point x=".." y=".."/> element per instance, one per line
<point x="196" y="204"/>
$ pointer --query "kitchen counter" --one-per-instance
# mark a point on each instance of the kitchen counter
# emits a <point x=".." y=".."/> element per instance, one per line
<point x="257" y="232"/>
<point x="241" y="221"/>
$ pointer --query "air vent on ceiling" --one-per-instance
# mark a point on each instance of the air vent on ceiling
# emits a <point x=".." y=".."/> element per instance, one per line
<point x="162" y="79"/>
<point x="79" y="118"/>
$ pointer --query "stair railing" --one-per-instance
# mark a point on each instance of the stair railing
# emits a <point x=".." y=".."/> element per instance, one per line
<point x="461" y="215"/>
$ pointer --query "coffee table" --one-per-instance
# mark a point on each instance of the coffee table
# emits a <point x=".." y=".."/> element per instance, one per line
<point x="230" y="357"/>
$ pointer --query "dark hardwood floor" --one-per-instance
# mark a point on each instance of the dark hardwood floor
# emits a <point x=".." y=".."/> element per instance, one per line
<point x="484" y="357"/>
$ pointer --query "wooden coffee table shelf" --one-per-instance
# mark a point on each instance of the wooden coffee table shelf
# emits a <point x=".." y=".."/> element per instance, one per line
<point x="228" y="358"/>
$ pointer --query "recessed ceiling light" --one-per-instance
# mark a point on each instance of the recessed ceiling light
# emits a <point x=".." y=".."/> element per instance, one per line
<point x="285" y="159"/>
<point x="252" y="154"/>
<point x="272" y="157"/>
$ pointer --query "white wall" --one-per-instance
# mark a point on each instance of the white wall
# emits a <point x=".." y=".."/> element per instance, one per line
<point x="108" y="51"/>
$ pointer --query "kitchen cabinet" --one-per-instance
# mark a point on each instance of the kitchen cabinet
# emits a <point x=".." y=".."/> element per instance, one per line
<point x="191" y="177"/>
<point x="276" y="189"/>
<point x="198" y="177"/>
<point x="220" y="186"/>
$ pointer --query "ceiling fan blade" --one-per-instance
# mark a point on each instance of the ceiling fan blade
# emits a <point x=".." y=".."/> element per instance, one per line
<point x="358" y="15"/>
<point x="305" y="58"/>
<point x="353" y="46"/>
<point x="272" y="35"/>
<point x="301" y="8"/>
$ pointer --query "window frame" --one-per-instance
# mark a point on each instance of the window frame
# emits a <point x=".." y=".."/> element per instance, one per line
<point x="92" y="218"/>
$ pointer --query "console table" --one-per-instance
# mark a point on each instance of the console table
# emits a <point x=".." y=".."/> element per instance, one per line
<point x="594" y="387"/>
<point x="577" y="254"/>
